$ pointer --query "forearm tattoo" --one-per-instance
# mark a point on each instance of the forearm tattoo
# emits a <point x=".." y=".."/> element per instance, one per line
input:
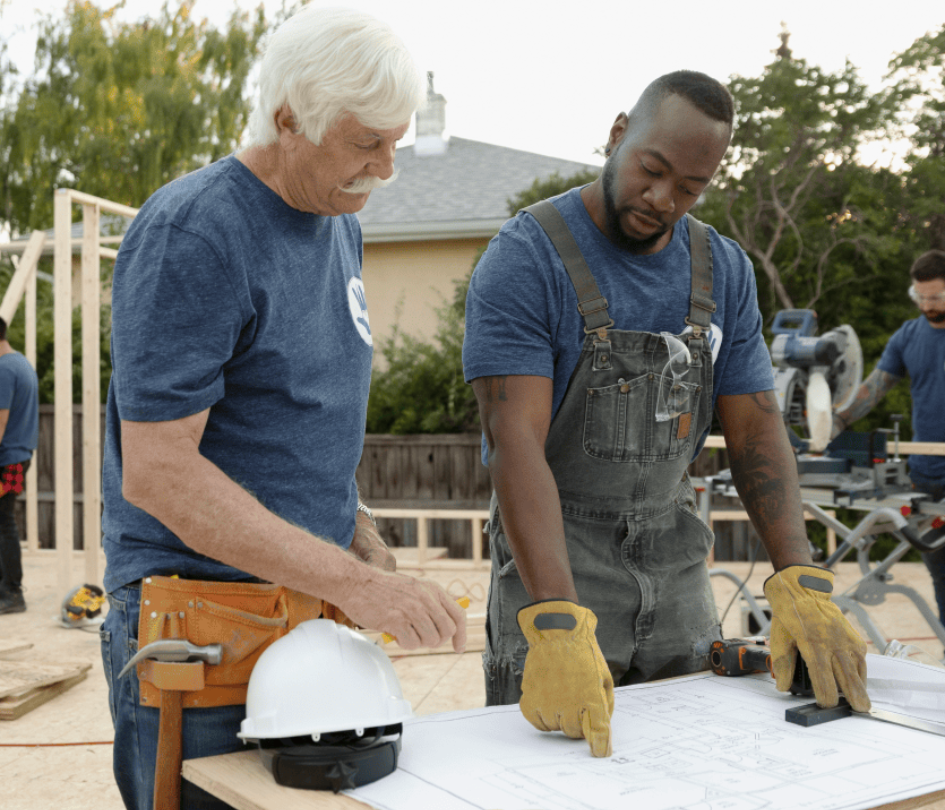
<point x="873" y="389"/>
<point x="761" y="467"/>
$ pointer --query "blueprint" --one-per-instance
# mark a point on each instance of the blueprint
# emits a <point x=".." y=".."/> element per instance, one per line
<point x="698" y="743"/>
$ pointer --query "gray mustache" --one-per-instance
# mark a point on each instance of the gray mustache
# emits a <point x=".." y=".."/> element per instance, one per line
<point x="365" y="184"/>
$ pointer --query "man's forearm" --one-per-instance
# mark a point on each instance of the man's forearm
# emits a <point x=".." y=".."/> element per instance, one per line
<point x="531" y="515"/>
<point x="764" y="472"/>
<point x="216" y="517"/>
<point x="873" y="389"/>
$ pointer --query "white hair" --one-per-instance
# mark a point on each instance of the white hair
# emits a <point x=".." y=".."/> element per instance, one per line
<point x="327" y="62"/>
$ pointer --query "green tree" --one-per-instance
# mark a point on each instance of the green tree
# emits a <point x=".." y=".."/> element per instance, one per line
<point x="115" y="109"/>
<point x="785" y="190"/>
<point x="920" y="85"/>
<point x="118" y="109"/>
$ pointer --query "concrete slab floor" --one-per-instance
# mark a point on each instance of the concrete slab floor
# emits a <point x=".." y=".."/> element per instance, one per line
<point x="59" y="754"/>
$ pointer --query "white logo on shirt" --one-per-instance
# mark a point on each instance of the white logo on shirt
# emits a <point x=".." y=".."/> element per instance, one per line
<point x="357" y="303"/>
<point x="715" y="339"/>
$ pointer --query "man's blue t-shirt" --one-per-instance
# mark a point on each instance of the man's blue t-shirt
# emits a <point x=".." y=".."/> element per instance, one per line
<point x="522" y="317"/>
<point x="226" y="298"/>
<point x="19" y="394"/>
<point x="918" y="349"/>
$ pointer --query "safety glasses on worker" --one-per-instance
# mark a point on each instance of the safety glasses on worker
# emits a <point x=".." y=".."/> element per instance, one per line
<point x="674" y="396"/>
<point x="938" y="298"/>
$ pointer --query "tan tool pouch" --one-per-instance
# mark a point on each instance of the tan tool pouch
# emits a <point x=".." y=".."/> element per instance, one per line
<point x="243" y="617"/>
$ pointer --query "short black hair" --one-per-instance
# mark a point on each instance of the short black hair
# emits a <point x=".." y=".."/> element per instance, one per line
<point x="3" y="329"/>
<point x="705" y="93"/>
<point x="929" y="266"/>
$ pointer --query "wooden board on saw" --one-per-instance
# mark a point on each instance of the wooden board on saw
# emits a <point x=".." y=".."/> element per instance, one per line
<point x="24" y="685"/>
<point x="475" y="640"/>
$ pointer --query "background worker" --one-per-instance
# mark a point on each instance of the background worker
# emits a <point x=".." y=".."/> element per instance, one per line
<point x="594" y="520"/>
<point x="19" y="433"/>
<point x="917" y="349"/>
<point x="241" y="350"/>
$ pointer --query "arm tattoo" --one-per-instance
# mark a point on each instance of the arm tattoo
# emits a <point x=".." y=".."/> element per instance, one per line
<point x="495" y="389"/>
<point x="873" y="389"/>
<point x="759" y="485"/>
<point x="766" y="401"/>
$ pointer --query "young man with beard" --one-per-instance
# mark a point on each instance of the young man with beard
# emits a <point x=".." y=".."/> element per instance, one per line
<point x="596" y="384"/>
<point x="917" y="349"/>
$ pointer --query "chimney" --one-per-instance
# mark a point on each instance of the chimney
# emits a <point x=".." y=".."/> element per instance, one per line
<point x="431" y="121"/>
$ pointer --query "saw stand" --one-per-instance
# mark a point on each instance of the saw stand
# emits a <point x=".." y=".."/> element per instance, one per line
<point x="899" y="516"/>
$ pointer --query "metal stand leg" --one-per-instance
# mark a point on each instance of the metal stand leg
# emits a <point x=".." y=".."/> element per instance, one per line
<point x="764" y="623"/>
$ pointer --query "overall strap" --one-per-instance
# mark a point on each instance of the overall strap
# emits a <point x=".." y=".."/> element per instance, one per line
<point x="591" y="304"/>
<point x="701" y="303"/>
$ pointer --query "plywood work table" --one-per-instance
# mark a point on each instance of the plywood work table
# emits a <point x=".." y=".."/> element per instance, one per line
<point x="241" y="780"/>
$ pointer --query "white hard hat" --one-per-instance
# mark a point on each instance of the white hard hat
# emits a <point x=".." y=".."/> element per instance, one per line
<point x="323" y="704"/>
<point x="319" y="678"/>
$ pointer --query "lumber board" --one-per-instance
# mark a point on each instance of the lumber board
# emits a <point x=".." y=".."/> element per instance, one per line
<point x="10" y="647"/>
<point x="18" y="677"/>
<point x="14" y="707"/>
<point x="241" y="780"/>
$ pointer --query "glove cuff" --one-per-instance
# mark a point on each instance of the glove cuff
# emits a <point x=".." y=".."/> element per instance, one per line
<point x="553" y="614"/>
<point x="799" y="580"/>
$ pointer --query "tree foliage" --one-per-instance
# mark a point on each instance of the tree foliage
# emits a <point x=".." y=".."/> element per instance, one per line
<point x="826" y="228"/>
<point x="786" y="188"/>
<point x="118" y="109"/>
<point x="919" y="73"/>
<point x="114" y="109"/>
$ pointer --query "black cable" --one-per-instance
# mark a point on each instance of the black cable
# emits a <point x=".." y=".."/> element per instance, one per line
<point x="754" y="558"/>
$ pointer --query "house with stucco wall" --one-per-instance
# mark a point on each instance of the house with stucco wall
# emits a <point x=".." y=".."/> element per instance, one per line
<point x="423" y="232"/>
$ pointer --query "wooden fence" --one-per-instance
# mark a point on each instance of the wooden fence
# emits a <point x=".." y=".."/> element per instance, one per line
<point x="399" y="475"/>
<point x="430" y="472"/>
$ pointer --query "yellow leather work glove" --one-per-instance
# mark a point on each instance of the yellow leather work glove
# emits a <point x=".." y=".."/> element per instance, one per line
<point x="804" y="619"/>
<point x="567" y="684"/>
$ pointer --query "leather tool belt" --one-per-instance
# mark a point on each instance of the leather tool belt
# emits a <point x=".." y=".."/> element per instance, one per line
<point x="243" y="617"/>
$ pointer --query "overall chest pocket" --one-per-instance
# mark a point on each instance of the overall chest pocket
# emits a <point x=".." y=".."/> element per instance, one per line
<point x="620" y="420"/>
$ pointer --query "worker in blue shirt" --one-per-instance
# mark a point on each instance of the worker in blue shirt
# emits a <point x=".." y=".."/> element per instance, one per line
<point x="916" y="350"/>
<point x="19" y="430"/>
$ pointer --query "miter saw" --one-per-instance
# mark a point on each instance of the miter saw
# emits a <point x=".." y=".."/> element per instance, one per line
<point x="815" y="376"/>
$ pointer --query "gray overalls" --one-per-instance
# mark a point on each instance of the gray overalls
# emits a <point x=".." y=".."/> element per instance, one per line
<point x="636" y="545"/>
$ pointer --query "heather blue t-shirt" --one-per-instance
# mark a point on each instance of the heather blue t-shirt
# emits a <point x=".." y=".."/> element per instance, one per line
<point x="19" y="394"/>
<point x="226" y="298"/>
<point x="918" y="349"/>
<point x="522" y="318"/>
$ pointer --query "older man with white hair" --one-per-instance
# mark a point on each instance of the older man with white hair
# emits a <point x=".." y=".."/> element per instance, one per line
<point x="241" y="349"/>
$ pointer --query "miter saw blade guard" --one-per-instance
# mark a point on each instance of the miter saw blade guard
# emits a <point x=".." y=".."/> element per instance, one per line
<point x="814" y="376"/>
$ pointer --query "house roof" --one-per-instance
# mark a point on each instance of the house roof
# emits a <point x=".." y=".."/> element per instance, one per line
<point x="461" y="192"/>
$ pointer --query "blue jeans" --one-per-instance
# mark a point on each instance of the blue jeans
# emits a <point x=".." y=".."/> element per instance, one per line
<point x="207" y="732"/>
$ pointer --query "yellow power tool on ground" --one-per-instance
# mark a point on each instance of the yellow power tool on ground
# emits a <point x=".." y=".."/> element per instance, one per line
<point x="81" y="604"/>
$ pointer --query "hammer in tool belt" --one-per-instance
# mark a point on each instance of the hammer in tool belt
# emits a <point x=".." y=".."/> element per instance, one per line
<point x="174" y="666"/>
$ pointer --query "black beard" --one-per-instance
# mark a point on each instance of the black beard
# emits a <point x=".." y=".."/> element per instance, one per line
<point x="614" y="231"/>
<point x="938" y="317"/>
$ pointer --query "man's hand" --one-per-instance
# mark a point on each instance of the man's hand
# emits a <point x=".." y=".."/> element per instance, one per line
<point x="368" y="545"/>
<point x="417" y="612"/>
<point x="805" y="620"/>
<point x="567" y="685"/>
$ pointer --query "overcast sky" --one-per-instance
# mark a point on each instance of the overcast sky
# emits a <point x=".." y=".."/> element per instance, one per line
<point x="550" y="77"/>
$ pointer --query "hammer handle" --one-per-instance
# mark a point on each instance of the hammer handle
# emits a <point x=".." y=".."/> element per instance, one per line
<point x="168" y="766"/>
